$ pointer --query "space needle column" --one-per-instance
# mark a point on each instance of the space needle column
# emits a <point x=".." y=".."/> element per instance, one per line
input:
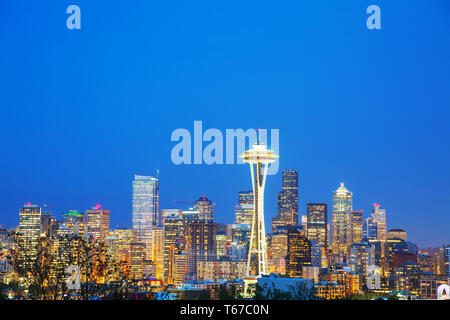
<point x="259" y="158"/>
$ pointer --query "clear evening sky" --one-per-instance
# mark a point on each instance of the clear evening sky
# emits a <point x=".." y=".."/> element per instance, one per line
<point x="82" y="111"/>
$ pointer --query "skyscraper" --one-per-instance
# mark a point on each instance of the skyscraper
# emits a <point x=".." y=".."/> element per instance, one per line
<point x="298" y="252"/>
<point x="173" y="243"/>
<point x="259" y="158"/>
<point x="357" y="222"/>
<point x="447" y="260"/>
<point x="201" y="245"/>
<point x="244" y="209"/>
<point x="340" y="220"/>
<point x="206" y="209"/>
<point x="145" y="206"/>
<point x="28" y="235"/>
<point x="287" y="201"/>
<point x="97" y="223"/>
<point x="317" y="216"/>
<point x="379" y="216"/>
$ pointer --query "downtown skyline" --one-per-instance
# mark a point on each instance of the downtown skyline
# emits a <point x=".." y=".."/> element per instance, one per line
<point x="268" y="215"/>
<point x="83" y="111"/>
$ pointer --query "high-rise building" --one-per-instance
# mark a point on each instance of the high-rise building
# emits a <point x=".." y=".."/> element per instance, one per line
<point x="357" y="222"/>
<point x="201" y="245"/>
<point x="173" y="244"/>
<point x="97" y="223"/>
<point x="287" y="201"/>
<point x="370" y="232"/>
<point x="317" y="216"/>
<point x="359" y="257"/>
<point x="397" y="234"/>
<point x="379" y="216"/>
<point x="206" y="209"/>
<point x="158" y="251"/>
<point x="340" y="220"/>
<point x="29" y="234"/>
<point x="145" y="206"/>
<point x="259" y="158"/>
<point x="298" y="252"/>
<point x="74" y="222"/>
<point x="244" y="209"/>
<point x="447" y="260"/>
<point x="137" y="260"/>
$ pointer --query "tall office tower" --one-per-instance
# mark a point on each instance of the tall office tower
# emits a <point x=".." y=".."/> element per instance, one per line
<point x="173" y="243"/>
<point x="304" y="224"/>
<point x="74" y="223"/>
<point x="397" y="233"/>
<point x="179" y="268"/>
<point x="206" y="209"/>
<point x="359" y="257"/>
<point x="137" y="259"/>
<point x="279" y="245"/>
<point x="158" y="251"/>
<point x="121" y="239"/>
<point x="340" y="220"/>
<point x="287" y="201"/>
<point x="379" y="216"/>
<point x="97" y="223"/>
<point x="357" y="222"/>
<point x="145" y="205"/>
<point x="221" y="245"/>
<point x="447" y="260"/>
<point x="317" y="217"/>
<point x="201" y="245"/>
<point x="29" y="234"/>
<point x="48" y="223"/>
<point x="244" y="209"/>
<point x="259" y="158"/>
<point x="299" y="252"/>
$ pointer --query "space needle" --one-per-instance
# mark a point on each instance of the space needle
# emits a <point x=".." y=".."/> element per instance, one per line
<point x="259" y="158"/>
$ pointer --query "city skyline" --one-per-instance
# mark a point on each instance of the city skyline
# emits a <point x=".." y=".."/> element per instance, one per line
<point x="85" y="110"/>
<point x="366" y="214"/>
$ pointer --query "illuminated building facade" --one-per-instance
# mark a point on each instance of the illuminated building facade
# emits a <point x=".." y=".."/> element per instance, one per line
<point x="244" y="209"/>
<point x="74" y="222"/>
<point x="379" y="216"/>
<point x="97" y="223"/>
<point x="299" y="252"/>
<point x="201" y="245"/>
<point x="220" y="270"/>
<point x="145" y="209"/>
<point x="340" y="220"/>
<point x="205" y="208"/>
<point x="158" y="251"/>
<point x="357" y="221"/>
<point x="137" y="260"/>
<point x="317" y="217"/>
<point x="287" y="201"/>
<point x="29" y="234"/>
<point x="397" y="234"/>
<point x="173" y="243"/>
<point x="359" y="257"/>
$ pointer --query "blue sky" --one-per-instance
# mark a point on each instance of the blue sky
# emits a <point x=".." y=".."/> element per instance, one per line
<point x="84" y="110"/>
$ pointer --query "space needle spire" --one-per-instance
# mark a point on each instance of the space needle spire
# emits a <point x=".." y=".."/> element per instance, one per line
<point x="259" y="158"/>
